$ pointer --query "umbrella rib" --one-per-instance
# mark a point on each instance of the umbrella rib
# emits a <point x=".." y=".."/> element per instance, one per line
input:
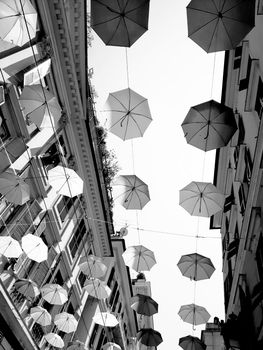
<point x="187" y="199"/>
<point x="119" y="102"/>
<point x="214" y="31"/>
<point x="139" y="25"/>
<point x="200" y="113"/>
<point x="204" y="25"/>
<point x="196" y="205"/>
<point x="138" y="104"/>
<point x="206" y="125"/>
<point x="218" y="133"/>
<point x="138" y="127"/>
<point x="142" y="115"/>
<point x="200" y="10"/>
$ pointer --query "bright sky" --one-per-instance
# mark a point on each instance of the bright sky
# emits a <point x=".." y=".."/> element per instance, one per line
<point x="173" y="73"/>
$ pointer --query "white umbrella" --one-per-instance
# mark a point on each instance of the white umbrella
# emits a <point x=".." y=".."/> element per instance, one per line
<point x="105" y="319"/>
<point x="97" y="288"/>
<point x="54" y="339"/>
<point x="17" y="21"/>
<point x="27" y="287"/>
<point x="139" y="258"/>
<point x="194" y="314"/>
<point x="92" y="266"/>
<point x="65" y="181"/>
<point x="66" y="322"/>
<point x="10" y="247"/>
<point x="40" y="315"/>
<point x="54" y="294"/>
<point x="76" y="345"/>
<point x="34" y="247"/>
<point x="14" y="188"/>
<point x="111" y="346"/>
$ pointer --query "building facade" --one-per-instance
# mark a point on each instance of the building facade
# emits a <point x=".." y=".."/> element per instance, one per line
<point x="211" y="336"/>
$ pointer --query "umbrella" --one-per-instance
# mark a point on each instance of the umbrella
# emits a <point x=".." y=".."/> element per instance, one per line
<point x="111" y="346"/>
<point x="139" y="258"/>
<point x="17" y="23"/>
<point x="40" y="315"/>
<point x="132" y="192"/>
<point x="54" y="339"/>
<point x="144" y="305"/>
<point x="201" y="199"/>
<point x="191" y="343"/>
<point x="10" y="247"/>
<point x="209" y="125"/>
<point x="14" y="188"/>
<point x="97" y="288"/>
<point x="105" y="319"/>
<point x="128" y="114"/>
<point x="76" y="345"/>
<point x="40" y="105"/>
<point x="27" y="287"/>
<point x="149" y="337"/>
<point x="54" y="294"/>
<point x="196" y="267"/>
<point x="193" y="314"/>
<point x="92" y="266"/>
<point x="34" y="247"/>
<point x="119" y="23"/>
<point x="65" y="181"/>
<point x="217" y="25"/>
<point x="66" y="322"/>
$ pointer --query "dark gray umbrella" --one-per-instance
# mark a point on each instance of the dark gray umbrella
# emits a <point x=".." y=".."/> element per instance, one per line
<point x="149" y="337"/>
<point x="191" y="343"/>
<point x="119" y="22"/>
<point x="196" y="267"/>
<point x="144" y="305"/>
<point x="218" y="25"/>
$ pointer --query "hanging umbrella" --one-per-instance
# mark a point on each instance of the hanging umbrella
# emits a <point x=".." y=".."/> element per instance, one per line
<point x="193" y="314"/>
<point x="105" y="319"/>
<point x="76" y="345"/>
<point x="111" y="346"/>
<point x="217" y="25"/>
<point x="119" y="23"/>
<point x="196" y="267"/>
<point x="92" y="266"/>
<point x="66" y="322"/>
<point x="191" y="343"/>
<point x="128" y="114"/>
<point x="34" y="247"/>
<point x="139" y="258"/>
<point x="149" y="337"/>
<point x="27" y="287"/>
<point x="132" y="192"/>
<point x="201" y="199"/>
<point x="18" y="21"/>
<point x="144" y="305"/>
<point x="209" y="125"/>
<point x="40" y="106"/>
<point x="40" y="316"/>
<point x="14" y="188"/>
<point x="54" y="340"/>
<point x="65" y="181"/>
<point x="54" y="294"/>
<point x="97" y="288"/>
<point x="10" y="247"/>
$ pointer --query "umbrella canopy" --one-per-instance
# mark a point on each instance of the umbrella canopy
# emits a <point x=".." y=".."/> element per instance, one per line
<point x="76" y="345"/>
<point x="66" y="322"/>
<point x="144" y="305"/>
<point x="132" y="192"/>
<point x="18" y="21"/>
<point x="217" y="25"/>
<point x="194" y="314"/>
<point x="34" y="247"/>
<point x="40" y="106"/>
<point x="105" y="319"/>
<point x="209" y="125"/>
<point x="54" y="294"/>
<point x="97" y="288"/>
<point x="201" y="199"/>
<point x="149" y="337"/>
<point x="191" y="343"/>
<point x="111" y="346"/>
<point x="27" y="287"/>
<point x="65" y="181"/>
<point x="10" y="247"/>
<point x="119" y="23"/>
<point x="40" y="316"/>
<point x="14" y="188"/>
<point x="196" y="267"/>
<point x="128" y="114"/>
<point x="139" y="258"/>
<point x="92" y="266"/>
<point x="54" y="339"/>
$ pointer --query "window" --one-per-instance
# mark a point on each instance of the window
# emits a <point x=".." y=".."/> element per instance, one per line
<point x="260" y="7"/>
<point x="248" y="166"/>
<point x="237" y="59"/>
<point x="78" y="237"/>
<point x="58" y="278"/>
<point x="101" y="340"/>
<point x="4" y="132"/>
<point x="244" y="82"/>
<point x="82" y="279"/>
<point x="259" y="257"/>
<point x="93" y="335"/>
<point x="242" y="194"/>
<point x="116" y="299"/>
<point x="51" y="157"/>
<point x="64" y="206"/>
<point x="111" y="277"/>
<point x="229" y="201"/>
<point x="259" y="98"/>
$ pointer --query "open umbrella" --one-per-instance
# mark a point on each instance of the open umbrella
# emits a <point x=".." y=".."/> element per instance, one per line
<point x="149" y="337"/>
<point x="105" y="319"/>
<point x="191" y="343"/>
<point x="196" y="267"/>
<point x="40" y="315"/>
<point x="128" y="114"/>
<point x="119" y="23"/>
<point x="10" y="247"/>
<point x="144" y="305"/>
<point x="76" y="345"/>
<point x="27" y="287"/>
<point x="217" y="25"/>
<point x="65" y="181"/>
<point x="201" y="199"/>
<point x="111" y="346"/>
<point x="54" y="340"/>
<point x="132" y="192"/>
<point x="18" y="21"/>
<point x="92" y="266"/>
<point x="66" y="322"/>
<point x="14" y="188"/>
<point x="40" y="106"/>
<point x="97" y="288"/>
<point x="209" y="125"/>
<point x="34" y="247"/>
<point x="139" y="258"/>
<point x="54" y="294"/>
<point x="193" y="314"/>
